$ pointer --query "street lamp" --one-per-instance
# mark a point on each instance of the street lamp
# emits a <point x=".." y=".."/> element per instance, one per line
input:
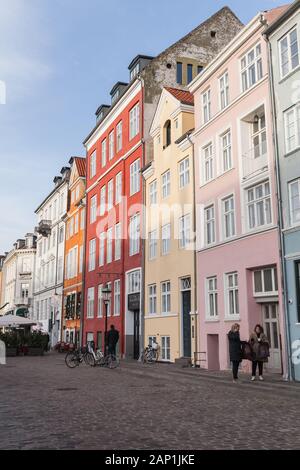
<point x="106" y="296"/>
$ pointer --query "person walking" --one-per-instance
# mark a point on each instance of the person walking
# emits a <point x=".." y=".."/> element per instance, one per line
<point x="260" y="349"/>
<point x="112" y="340"/>
<point x="235" y="349"/>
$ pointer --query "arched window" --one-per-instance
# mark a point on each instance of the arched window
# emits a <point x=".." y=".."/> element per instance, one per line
<point x="167" y="129"/>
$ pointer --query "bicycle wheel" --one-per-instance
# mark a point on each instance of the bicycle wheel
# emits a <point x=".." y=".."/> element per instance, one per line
<point x="89" y="359"/>
<point x="71" y="360"/>
<point x="112" y="361"/>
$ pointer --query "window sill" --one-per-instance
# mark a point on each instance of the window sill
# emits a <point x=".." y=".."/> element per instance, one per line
<point x="232" y="318"/>
<point x="289" y="74"/>
<point x="292" y="152"/>
<point x="212" y="320"/>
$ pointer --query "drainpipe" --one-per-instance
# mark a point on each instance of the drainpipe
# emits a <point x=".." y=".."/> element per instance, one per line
<point x="195" y="253"/>
<point x="83" y="288"/>
<point x="291" y="372"/>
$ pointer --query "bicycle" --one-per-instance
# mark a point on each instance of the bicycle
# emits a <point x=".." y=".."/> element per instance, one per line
<point x="99" y="359"/>
<point x="78" y="356"/>
<point x="150" y="355"/>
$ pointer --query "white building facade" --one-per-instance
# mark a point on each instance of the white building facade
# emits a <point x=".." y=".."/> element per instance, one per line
<point x="17" y="278"/>
<point x="49" y="266"/>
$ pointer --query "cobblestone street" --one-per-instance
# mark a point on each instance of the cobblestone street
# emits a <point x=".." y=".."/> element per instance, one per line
<point x="45" y="405"/>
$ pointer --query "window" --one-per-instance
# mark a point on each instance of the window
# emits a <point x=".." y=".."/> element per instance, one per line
<point x="184" y="231"/>
<point x="294" y="192"/>
<point x="251" y="67"/>
<point x="289" y="52"/>
<point x="90" y="302"/>
<point x="224" y="90"/>
<point x="71" y="263"/>
<point x="184" y="173"/>
<point x="167" y="134"/>
<point x="226" y="151"/>
<point x="26" y="265"/>
<point x="232" y="294"/>
<point x="208" y="163"/>
<point x="134" y="124"/>
<point x="110" y="194"/>
<point x="179" y="73"/>
<point x="166" y="239"/>
<point x="134" y="234"/>
<point x="297" y="272"/>
<point x="24" y="291"/>
<point x="119" y="136"/>
<point x="165" y="297"/>
<point x="77" y="193"/>
<point x="102" y="249"/>
<point x="118" y="188"/>
<point x="117" y="297"/>
<point x="135" y="177"/>
<point x="55" y="210"/>
<point x="189" y="73"/>
<point x="103" y="153"/>
<point x="206" y="106"/>
<point x="93" y="164"/>
<point x="166" y="184"/>
<point x="71" y="227"/>
<point x="92" y="254"/>
<point x="259" y="136"/>
<point x="72" y="197"/>
<point x="100" y="302"/>
<point x="109" y="245"/>
<point x="259" y="205"/>
<point x="135" y="71"/>
<point x="200" y="69"/>
<point x="60" y="269"/>
<point x="153" y="244"/>
<point x="152" y="299"/>
<point x="228" y="217"/>
<point x="166" y="348"/>
<point x="134" y="282"/>
<point x="292" y="128"/>
<point x="111" y="145"/>
<point x="81" y="259"/>
<point x="153" y="192"/>
<point x="211" y="297"/>
<point x="82" y="219"/>
<point x="209" y="216"/>
<point x="265" y="281"/>
<point x="93" y="214"/>
<point x="118" y="241"/>
<point x="102" y="200"/>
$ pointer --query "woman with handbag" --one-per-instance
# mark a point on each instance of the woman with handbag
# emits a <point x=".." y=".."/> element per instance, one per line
<point x="260" y="348"/>
<point x="235" y="350"/>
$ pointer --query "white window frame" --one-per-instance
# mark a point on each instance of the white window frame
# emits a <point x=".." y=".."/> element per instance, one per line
<point x="226" y="150"/>
<point x="93" y="164"/>
<point x="103" y="200"/>
<point x="293" y="220"/>
<point x="134" y="121"/>
<point x="166" y="184"/>
<point x="118" y="241"/>
<point x="206" y="106"/>
<point x="166" y="348"/>
<point x="207" y="169"/>
<point x="134" y="234"/>
<point x="135" y="177"/>
<point x="110" y="194"/>
<point x="166" y="239"/>
<point x="210" y="224"/>
<point x="152" y="299"/>
<point x="90" y="302"/>
<point x="153" y="237"/>
<point x="166" y="297"/>
<point x="228" y="214"/>
<point x="109" y="249"/>
<point x="118" y="192"/>
<point x="102" y="239"/>
<point x="153" y="192"/>
<point x="265" y="199"/>
<point x="93" y="213"/>
<point x="119" y="132"/>
<point x="111" y="145"/>
<point x="92" y="254"/>
<point x="263" y="292"/>
<point x="184" y="231"/>
<point x="117" y="297"/>
<point x="103" y="153"/>
<point x="224" y="90"/>
<point x="246" y="65"/>
<point x="211" y="298"/>
<point x="184" y="172"/>
<point x="295" y="124"/>
<point x="100" y="302"/>
<point x="290" y="67"/>
<point x="234" y="290"/>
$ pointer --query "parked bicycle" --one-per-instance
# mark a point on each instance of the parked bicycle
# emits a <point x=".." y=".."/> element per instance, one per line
<point x="78" y="356"/>
<point x="151" y="353"/>
<point x="99" y="359"/>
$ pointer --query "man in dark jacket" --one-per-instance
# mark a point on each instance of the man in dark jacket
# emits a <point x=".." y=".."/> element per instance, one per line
<point x="235" y="349"/>
<point x="112" y="340"/>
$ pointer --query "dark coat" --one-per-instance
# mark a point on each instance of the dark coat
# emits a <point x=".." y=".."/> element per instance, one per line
<point x="112" y="337"/>
<point x="256" y="346"/>
<point x="235" y="346"/>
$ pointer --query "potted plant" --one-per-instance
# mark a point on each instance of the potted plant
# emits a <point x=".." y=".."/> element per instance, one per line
<point x="36" y="344"/>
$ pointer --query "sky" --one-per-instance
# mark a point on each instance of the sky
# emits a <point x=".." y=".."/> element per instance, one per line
<point x="58" y="62"/>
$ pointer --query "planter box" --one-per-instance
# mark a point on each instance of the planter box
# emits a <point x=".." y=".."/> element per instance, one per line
<point x="35" y="352"/>
<point x="11" y="352"/>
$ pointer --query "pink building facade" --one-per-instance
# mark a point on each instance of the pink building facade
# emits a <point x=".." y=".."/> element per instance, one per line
<point x="238" y="267"/>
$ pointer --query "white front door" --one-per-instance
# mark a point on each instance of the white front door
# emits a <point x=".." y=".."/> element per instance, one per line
<point x="270" y="320"/>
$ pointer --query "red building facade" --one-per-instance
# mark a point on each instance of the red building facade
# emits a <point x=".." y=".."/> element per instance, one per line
<point x="113" y="199"/>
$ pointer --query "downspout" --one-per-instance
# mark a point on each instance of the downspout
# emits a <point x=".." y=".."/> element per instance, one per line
<point x="195" y="254"/>
<point x="291" y="372"/>
<point x="142" y="335"/>
<point x="83" y="289"/>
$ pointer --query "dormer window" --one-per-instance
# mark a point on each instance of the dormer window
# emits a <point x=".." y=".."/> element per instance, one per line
<point x="167" y="134"/>
<point x="115" y="96"/>
<point x="135" y="71"/>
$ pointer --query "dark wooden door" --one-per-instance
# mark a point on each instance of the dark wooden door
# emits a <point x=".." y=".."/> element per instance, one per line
<point x="186" y="309"/>
<point x="136" y="335"/>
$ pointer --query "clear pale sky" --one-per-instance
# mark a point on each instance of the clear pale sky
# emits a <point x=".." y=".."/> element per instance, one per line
<point x="59" y="59"/>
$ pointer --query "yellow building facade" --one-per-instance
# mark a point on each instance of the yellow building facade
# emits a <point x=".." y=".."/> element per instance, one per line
<point x="170" y="305"/>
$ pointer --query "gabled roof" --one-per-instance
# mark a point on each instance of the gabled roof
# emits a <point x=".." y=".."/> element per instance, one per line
<point x="284" y="13"/>
<point x="80" y="163"/>
<point x="185" y="97"/>
<point x="275" y="13"/>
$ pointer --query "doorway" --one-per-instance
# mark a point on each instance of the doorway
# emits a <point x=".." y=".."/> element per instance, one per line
<point x="213" y="362"/>
<point x="186" y="316"/>
<point x="271" y="327"/>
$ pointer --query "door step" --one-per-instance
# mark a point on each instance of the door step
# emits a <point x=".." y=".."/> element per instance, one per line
<point x="183" y="362"/>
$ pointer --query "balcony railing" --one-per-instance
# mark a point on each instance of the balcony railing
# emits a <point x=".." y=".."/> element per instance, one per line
<point x="44" y="228"/>
<point x="255" y="160"/>
<point x="24" y="301"/>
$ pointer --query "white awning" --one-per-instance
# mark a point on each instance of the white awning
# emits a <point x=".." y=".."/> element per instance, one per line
<point x="14" y="321"/>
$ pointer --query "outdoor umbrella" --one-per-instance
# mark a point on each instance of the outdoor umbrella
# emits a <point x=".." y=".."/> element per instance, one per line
<point x="12" y="321"/>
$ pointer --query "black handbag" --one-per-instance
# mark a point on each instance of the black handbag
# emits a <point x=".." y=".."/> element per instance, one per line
<point x="247" y="352"/>
<point x="263" y="351"/>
